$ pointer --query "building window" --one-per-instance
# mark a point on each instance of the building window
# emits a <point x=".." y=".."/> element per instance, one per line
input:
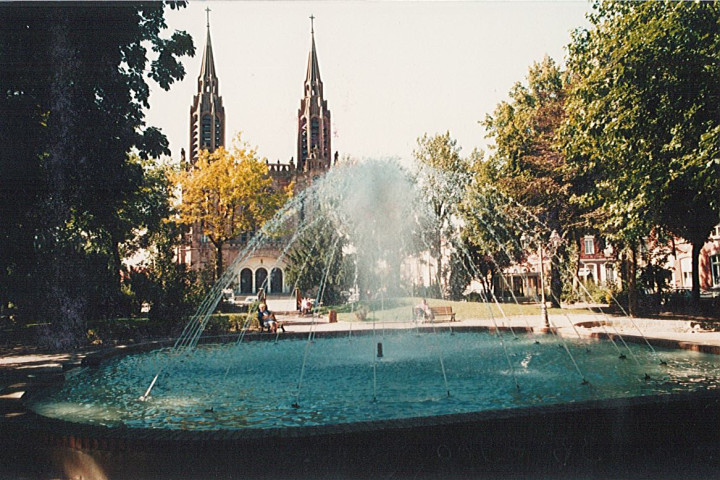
<point x="610" y="273"/>
<point x="715" y="232"/>
<point x="276" y="280"/>
<point x="246" y="280"/>
<point x="204" y="239"/>
<point x="589" y="246"/>
<point x="206" y="132"/>
<point x="686" y="272"/>
<point x="715" y="269"/>
<point x="260" y="277"/>
<point x="314" y="132"/>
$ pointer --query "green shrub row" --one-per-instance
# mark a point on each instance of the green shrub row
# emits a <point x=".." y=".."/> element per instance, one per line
<point x="136" y="330"/>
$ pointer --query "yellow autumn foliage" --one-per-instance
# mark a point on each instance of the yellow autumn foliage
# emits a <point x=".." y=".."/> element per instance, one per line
<point x="227" y="193"/>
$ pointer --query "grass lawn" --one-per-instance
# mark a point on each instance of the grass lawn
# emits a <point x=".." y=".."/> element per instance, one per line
<point x="400" y="309"/>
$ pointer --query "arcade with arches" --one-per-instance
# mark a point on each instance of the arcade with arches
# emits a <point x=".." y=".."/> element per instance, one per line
<point x="251" y="280"/>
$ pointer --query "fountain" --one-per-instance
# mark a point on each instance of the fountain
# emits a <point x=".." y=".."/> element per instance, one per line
<point x="339" y="386"/>
<point x="400" y="400"/>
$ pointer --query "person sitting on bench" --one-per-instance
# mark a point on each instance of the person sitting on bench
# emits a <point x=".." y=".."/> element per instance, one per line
<point x="424" y="310"/>
<point x="266" y="319"/>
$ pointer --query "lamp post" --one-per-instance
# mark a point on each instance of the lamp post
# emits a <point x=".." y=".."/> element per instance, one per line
<point x="543" y="303"/>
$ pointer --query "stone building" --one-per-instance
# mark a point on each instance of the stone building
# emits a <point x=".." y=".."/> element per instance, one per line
<point x="314" y="158"/>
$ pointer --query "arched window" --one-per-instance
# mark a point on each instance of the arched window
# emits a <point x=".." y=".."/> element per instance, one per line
<point x="314" y="132"/>
<point x="260" y="277"/>
<point x="246" y="281"/>
<point x="206" y="134"/>
<point x="303" y="141"/>
<point x="217" y="132"/>
<point x="276" y="280"/>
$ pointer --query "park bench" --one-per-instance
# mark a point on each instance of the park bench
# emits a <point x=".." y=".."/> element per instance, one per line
<point x="438" y="312"/>
<point x="444" y="311"/>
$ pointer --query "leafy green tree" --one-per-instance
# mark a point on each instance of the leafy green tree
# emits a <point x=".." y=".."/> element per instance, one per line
<point x="643" y="120"/>
<point x="74" y="79"/>
<point x="490" y="234"/>
<point x="442" y="177"/>
<point x="172" y="290"/>
<point x="227" y="193"/>
<point x="316" y="262"/>
<point x="531" y="168"/>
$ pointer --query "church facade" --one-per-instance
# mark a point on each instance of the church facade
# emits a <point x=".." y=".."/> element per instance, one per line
<point x="264" y="268"/>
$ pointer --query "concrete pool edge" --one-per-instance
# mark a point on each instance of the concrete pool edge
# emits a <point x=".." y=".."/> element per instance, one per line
<point x="592" y="435"/>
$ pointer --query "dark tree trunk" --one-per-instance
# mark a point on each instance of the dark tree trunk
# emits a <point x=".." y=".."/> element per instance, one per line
<point x="218" y="261"/>
<point x="576" y="273"/>
<point x="439" y="275"/>
<point x="117" y="262"/>
<point x="695" y="294"/>
<point x="632" y="282"/>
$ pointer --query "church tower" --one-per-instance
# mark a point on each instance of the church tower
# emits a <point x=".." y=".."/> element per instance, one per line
<point x="313" y="146"/>
<point x="207" y="132"/>
<point x="207" y="115"/>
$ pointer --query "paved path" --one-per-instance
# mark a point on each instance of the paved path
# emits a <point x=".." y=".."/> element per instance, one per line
<point x="680" y="330"/>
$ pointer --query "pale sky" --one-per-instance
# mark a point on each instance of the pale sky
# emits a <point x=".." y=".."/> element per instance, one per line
<point x="392" y="71"/>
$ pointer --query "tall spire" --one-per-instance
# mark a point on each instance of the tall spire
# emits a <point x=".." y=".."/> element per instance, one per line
<point x="314" y="145"/>
<point x="207" y="68"/>
<point x="313" y="83"/>
<point x="207" y="115"/>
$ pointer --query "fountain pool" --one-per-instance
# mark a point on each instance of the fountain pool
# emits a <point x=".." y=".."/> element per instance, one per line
<point x="253" y="385"/>
<point x="225" y="411"/>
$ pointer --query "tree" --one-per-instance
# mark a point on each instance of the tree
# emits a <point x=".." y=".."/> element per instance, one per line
<point x="227" y="193"/>
<point x="531" y="168"/>
<point x="442" y="177"/>
<point x="643" y="124"/>
<point x="490" y="237"/>
<point x="316" y="262"/>
<point x="76" y="87"/>
<point x="172" y="290"/>
<point x="146" y="210"/>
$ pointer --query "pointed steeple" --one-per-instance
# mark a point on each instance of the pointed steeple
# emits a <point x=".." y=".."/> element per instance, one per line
<point x="207" y="114"/>
<point x="313" y="83"/>
<point x="208" y="81"/>
<point x="314" y="151"/>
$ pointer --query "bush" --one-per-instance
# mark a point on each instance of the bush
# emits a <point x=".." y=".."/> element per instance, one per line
<point x="218" y="324"/>
<point x="136" y="330"/>
<point x="476" y="297"/>
<point x="589" y="292"/>
<point x="130" y="330"/>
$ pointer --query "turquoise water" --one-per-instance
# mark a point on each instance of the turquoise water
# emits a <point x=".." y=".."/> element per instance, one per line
<point x="255" y="384"/>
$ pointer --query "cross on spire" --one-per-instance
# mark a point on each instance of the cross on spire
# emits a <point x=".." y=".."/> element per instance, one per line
<point x="207" y="10"/>
<point x="312" y="24"/>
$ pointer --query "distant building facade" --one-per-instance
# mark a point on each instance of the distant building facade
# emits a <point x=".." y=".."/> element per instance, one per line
<point x="680" y="263"/>
<point x="597" y="263"/>
<point x="264" y="268"/>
